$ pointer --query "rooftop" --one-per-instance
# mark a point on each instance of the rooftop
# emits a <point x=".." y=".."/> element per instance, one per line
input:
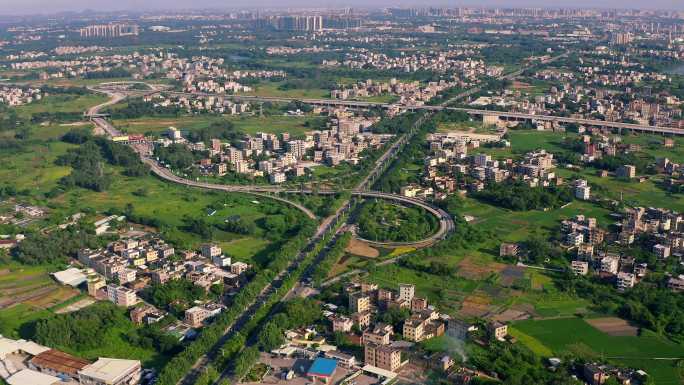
<point x="323" y="367"/>
<point x="59" y="362"/>
<point x="8" y="346"/>
<point x="109" y="369"/>
<point x="31" y="377"/>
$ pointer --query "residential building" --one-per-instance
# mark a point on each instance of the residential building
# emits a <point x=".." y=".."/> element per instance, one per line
<point x="121" y="296"/>
<point x="498" y="330"/>
<point x="661" y="252"/>
<point x="413" y="329"/>
<point x="580" y="267"/>
<point x="221" y="260"/>
<point x="406" y="292"/>
<point x="359" y="302"/>
<point x="625" y="281"/>
<point x="676" y="284"/>
<point x="508" y="249"/>
<point x="627" y="172"/>
<point x="342" y="324"/>
<point x="609" y="264"/>
<point x="238" y="268"/>
<point x="195" y="316"/>
<point x="379" y="335"/>
<point x="382" y="356"/>
<point x="210" y="250"/>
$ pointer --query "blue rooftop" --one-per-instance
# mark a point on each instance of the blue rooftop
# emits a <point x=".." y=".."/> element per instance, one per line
<point x="323" y="367"/>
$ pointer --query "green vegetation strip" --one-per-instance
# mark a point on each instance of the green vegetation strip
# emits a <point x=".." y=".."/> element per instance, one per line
<point x="235" y="356"/>
<point x="210" y="336"/>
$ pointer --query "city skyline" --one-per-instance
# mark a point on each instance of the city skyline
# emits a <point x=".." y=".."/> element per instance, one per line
<point x="12" y="7"/>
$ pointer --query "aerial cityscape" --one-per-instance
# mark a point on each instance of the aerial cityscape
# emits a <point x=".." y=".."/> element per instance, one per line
<point x="341" y="193"/>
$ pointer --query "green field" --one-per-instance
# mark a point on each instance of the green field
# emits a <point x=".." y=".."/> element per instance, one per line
<point x="272" y="89"/>
<point x="18" y="280"/>
<point x="575" y="335"/>
<point x="295" y="125"/>
<point x="514" y="226"/>
<point x="62" y="103"/>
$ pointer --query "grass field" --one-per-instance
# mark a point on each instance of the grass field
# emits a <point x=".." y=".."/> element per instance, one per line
<point x="295" y="125"/>
<point x="61" y="103"/>
<point x="271" y="89"/>
<point x="554" y="336"/>
<point x="514" y="226"/>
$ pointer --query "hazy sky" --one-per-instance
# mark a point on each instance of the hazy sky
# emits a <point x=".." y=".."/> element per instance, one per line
<point x="47" y="6"/>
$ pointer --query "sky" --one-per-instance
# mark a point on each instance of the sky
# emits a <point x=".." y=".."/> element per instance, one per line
<point x="15" y="7"/>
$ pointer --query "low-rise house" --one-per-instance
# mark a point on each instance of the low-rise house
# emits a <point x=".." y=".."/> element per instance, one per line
<point x="111" y="371"/>
<point x="508" y="250"/>
<point x="498" y="330"/>
<point x="676" y="284"/>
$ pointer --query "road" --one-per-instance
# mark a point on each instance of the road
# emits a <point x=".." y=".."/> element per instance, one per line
<point x="446" y="223"/>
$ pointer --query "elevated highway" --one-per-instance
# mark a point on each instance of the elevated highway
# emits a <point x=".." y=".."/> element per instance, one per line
<point x="470" y="111"/>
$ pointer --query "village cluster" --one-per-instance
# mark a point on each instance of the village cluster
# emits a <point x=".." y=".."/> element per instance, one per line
<point x="124" y="268"/>
<point x="282" y="157"/>
<point x="455" y="61"/>
<point x="413" y="93"/>
<point x="17" y="96"/>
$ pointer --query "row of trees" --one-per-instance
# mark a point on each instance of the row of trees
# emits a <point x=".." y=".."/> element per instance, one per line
<point x="332" y="256"/>
<point x="210" y="335"/>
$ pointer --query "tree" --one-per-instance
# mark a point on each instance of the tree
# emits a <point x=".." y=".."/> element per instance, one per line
<point x="270" y="337"/>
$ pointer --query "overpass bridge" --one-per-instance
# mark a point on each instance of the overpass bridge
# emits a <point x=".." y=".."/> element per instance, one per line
<point x="444" y="107"/>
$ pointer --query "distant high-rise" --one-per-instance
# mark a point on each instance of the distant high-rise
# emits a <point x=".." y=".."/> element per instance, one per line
<point x="622" y="38"/>
<point x="109" y="30"/>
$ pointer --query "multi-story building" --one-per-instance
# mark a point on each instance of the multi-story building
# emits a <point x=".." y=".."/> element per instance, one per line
<point x="627" y="172"/>
<point x="676" y="284"/>
<point x="382" y="356"/>
<point x="582" y="190"/>
<point x="499" y="330"/>
<point x="342" y="324"/>
<point x="238" y="268"/>
<point x="195" y="316"/>
<point x="609" y="264"/>
<point x="625" y="281"/>
<point x="359" y="302"/>
<point x="406" y="292"/>
<point x="210" y="250"/>
<point x="380" y="335"/>
<point x="413" y="329"/>
<point x="580" y="267"/>
<point x="661" y="252"/>
<point x="121" y="296"/>
<point x="109" y="30"/>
